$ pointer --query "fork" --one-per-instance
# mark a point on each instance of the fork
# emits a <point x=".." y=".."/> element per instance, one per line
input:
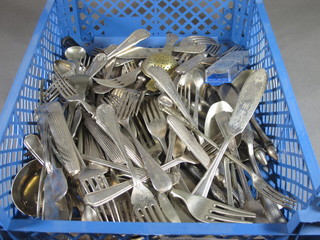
<point x="151" y="144"/>
<point x="144" y="204"/>
<point x="128" y="76"/>
<point x="272" y="212"/>
<point x="213" y="50"/>
<point x="123" y="203"/>
<point x="258" y="182"/>
<point x="250" y="203"/>
<point x="129" y="105"/>
<point x="236" y="47"/>
<point x="71" y="94"/>
<point x="123" y="80"/>
<point x="155" y="121"/>
<point x="96" y="183"/>
<point x="184" y="89"/>
<point x="198" y="40"/>
<point x="98" y="198"/>
<point x="207" y="210"/>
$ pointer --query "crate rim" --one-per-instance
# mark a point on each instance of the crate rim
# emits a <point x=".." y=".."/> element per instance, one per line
<point x="167" y="228"/>
<point x="130" y="228"/>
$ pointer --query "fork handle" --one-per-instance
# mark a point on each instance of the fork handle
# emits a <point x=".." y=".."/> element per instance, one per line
<point x="90" y="109"/>
<point x="273" y="214"/>
<point x="267" y="143"/>
<point x="135" y="37"/>
<point x="160" y="180"/>
<point x="203" y="186"/>
<point x="97" y="198"/>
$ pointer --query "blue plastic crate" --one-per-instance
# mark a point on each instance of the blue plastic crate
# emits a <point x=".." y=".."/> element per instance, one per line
<point x="97" y="22"/>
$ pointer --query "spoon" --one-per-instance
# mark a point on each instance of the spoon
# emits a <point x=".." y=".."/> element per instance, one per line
<point x="65" y="68"/>
<point x="163" y="59"/>
<point x="76" y="54"/>
<point x="24" y="190"/>
<point x="249" y="203"/>
<point x="248" y="100"/>
<point x="213" y="114"/>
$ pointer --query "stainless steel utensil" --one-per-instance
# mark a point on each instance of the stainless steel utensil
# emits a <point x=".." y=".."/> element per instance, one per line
<point x="100" y="197"/>
<point x="207" y="210"/>
<point x="129" y="103"/>
<point x="166" y="85"/>
<point x="155" y="121"/>
<point x="247" y="103"/>
<point x="24" y="189"/>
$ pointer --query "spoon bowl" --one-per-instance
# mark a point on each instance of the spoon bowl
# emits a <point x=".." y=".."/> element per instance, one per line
<point x="211" y="128"/>
<point x="25" y="188"/>
<point x="64" y="67"/>
<point x="75" y="53"/>
<point x="163" y="60"/>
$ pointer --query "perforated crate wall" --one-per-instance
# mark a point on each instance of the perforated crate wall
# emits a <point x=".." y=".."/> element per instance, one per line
<point x="239" y="21"/>
<point x="21" y="121"/>
<point x="289" y="173"/>
<point x="89" y="18"/>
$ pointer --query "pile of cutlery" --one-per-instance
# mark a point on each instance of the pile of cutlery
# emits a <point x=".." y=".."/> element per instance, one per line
<point x="132" y="133"/>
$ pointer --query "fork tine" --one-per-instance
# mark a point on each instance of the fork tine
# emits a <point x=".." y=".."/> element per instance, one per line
<point x="119" y="207"/>
<point x="127" y="209"/>
<point x="102" y="211"/>
<point x="234" y="213"/>
<point x="280" y="200"/>
<point x="160" y="214"/>
<point x="268" y="195"/>
<point x="243" y="213"/>
<point x="50" y="97"/>
<point x="138" y="215"/>
<point x="86" y="184"/>
<point x="130" y="98"/>
<point x="143" y="135"/>
<point x="225" y="219"/>
<point x="213" y="50"/>
<point x="112" y="204"/>
<point x="148" y="112"/>
<point x="152" y="215"/>
<point x="160" y="113"/>
<point x="280" y="195"/>
<point x="155" y="109"/>
<point x="144" y="114"/>
<point x="122" y="107"/>
<point x="62" y="91"/>
<point x="144" y="214"/>
<point x="50" y="90"/>
<point x="67" y="87"/>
